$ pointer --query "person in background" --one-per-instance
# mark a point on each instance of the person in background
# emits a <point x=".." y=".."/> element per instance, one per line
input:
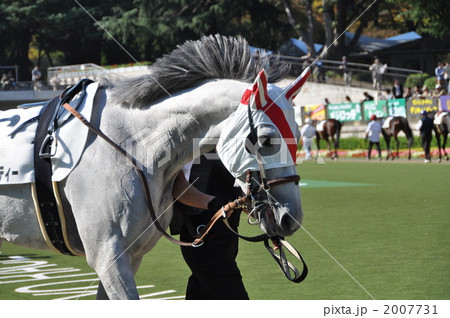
<point x="439" y="71"/>
<point x="367" y="97"/>
<point x="55" y="81"/>
<point x="417" y="92"/>
<point x="381" y="96"/>
<point x="373" y="132"/>
<point x="408" y="93"/>
<point x="378" y="70"/>
<point x="308" y="133"/>
<point x="320" y="71"/>
<point x="347" y="74"/>
<point x="326" y="102"/>
<point x="447" y="76"/>
<point x="348" y="99"/>
<point x="426" y="93"/>
<point x="425" y="126"/>
<point x="36" y="77"/>
<point x="397" y="89"/>
<point x="214" y="271"/>
<point x="389" y="95"/>
<point x="12" y="80"/>
<point x="5" y="82"/>
<point x="438" y="91"/>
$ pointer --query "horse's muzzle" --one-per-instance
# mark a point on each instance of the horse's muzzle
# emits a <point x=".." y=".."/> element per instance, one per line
<point x="279" y="222"/>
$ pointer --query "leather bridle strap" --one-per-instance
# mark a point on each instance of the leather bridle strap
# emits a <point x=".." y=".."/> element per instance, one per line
<point x="277" y="181"/>
<point x="258" y="238"/>
<point x="271" y="183"/>
<point x="286" y="267"/>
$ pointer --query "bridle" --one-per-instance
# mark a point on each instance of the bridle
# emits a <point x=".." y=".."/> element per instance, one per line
<point x="245" y="203"/>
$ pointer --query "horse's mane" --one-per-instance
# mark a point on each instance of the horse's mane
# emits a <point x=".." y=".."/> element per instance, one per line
<point x="211" y="57"/>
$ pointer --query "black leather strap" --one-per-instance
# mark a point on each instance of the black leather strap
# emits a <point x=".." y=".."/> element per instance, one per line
<point x="286" y="267"/>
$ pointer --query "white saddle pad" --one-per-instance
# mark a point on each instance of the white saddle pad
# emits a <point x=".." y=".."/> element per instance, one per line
<point x="387" y="122"/>
<point x="16" y="151"/>
<point x="439" y="117"/>
<point x="320" y="125"/>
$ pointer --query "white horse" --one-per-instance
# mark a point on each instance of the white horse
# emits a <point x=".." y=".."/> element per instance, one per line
<point x="163" y="120"/>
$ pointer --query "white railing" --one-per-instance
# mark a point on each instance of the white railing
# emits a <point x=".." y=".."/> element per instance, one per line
<point x="72" y="74"/>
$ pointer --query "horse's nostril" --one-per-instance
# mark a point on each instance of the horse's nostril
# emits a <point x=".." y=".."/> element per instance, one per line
<point x="286" y="223"/>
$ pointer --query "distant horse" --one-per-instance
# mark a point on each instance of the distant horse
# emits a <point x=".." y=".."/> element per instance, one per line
<point x="441" y="128"/>
<point x="391" y="128"/>
<point x="330" y="128"/>
<point x="178" y="111"/>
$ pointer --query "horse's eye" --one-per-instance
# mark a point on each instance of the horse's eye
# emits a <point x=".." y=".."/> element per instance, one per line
<point x="265" y="141"/>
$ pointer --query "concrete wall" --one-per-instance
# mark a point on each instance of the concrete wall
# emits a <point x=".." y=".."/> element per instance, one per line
<point x="315" y="93"/>
<point x="10" y="99"/>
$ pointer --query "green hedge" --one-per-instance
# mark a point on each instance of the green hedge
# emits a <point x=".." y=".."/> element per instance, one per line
<point x="416" y="79"/>
<point x="430" y="83"/>
<point x="353" y="143"/>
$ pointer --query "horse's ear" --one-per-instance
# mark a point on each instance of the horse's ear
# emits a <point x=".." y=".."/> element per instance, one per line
<point x="294" y="88"/>
<point x="259" y="96"/>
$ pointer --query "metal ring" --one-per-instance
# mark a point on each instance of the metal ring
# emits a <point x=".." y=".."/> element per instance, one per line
<point x="198" y="245"/>
<point x="200" y="227"/>
<point x="256" y="222"/>
<point x="253" y="213"/>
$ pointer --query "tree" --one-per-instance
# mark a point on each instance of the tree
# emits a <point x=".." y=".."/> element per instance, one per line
<point x="302" y="23"/>
<point x="149" y="28"/>
<point x="429" y="17"/>
<point x="160" y="25"/>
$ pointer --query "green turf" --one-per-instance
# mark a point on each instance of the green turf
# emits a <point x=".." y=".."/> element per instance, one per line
<point x="384" y="233"/>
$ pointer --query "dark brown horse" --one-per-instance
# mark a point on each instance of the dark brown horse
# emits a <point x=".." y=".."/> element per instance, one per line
<point x="396" y="125"/>
<point x="331" y="129"/>
<point x="442" y="128"/>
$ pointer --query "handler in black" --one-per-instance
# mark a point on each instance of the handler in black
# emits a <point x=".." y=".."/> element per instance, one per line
<point x="215" y="274"/>
<point x="425" y="134"/>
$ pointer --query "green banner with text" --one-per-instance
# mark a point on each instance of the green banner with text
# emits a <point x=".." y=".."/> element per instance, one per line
<point x="372" y="107"/>
<point x="345" y="111"/>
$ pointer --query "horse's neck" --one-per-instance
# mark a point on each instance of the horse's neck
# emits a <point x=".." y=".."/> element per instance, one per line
<point x="176" y="129"/>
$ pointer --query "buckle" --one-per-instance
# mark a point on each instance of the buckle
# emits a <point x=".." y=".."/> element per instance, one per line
<point x="48" y="144"/>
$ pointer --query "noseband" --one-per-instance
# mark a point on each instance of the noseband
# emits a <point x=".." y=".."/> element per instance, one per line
<point x="264" y="184"/>
<point x="252" y="207"/>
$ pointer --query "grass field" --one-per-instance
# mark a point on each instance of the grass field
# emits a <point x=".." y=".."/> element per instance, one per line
<point x="371" y="230"/>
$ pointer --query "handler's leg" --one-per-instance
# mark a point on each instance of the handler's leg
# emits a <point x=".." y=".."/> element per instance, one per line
<point x="101" y="293"/>
<point x="379" y="149"/>
<point x="369" y="151"/>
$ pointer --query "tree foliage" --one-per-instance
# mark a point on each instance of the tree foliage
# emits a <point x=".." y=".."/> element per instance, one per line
<point x="431" y="17"/>
<point x="116" y="31"/>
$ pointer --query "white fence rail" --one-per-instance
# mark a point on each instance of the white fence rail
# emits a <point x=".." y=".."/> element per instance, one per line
<point x="72" y="74"/>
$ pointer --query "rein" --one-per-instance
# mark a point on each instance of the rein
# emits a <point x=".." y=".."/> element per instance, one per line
<point x="224" y="213"/>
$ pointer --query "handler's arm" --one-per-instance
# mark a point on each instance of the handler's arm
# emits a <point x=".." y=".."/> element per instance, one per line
<point x="187" y="194"/>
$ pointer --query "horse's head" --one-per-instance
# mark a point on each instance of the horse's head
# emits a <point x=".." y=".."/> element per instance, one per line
<point x="259" y="147"/>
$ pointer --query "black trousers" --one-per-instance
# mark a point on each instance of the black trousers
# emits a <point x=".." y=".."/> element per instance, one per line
<point x="215" y="274"/>
<point x="426" y="142"/>
<point x="377" y="144"/>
